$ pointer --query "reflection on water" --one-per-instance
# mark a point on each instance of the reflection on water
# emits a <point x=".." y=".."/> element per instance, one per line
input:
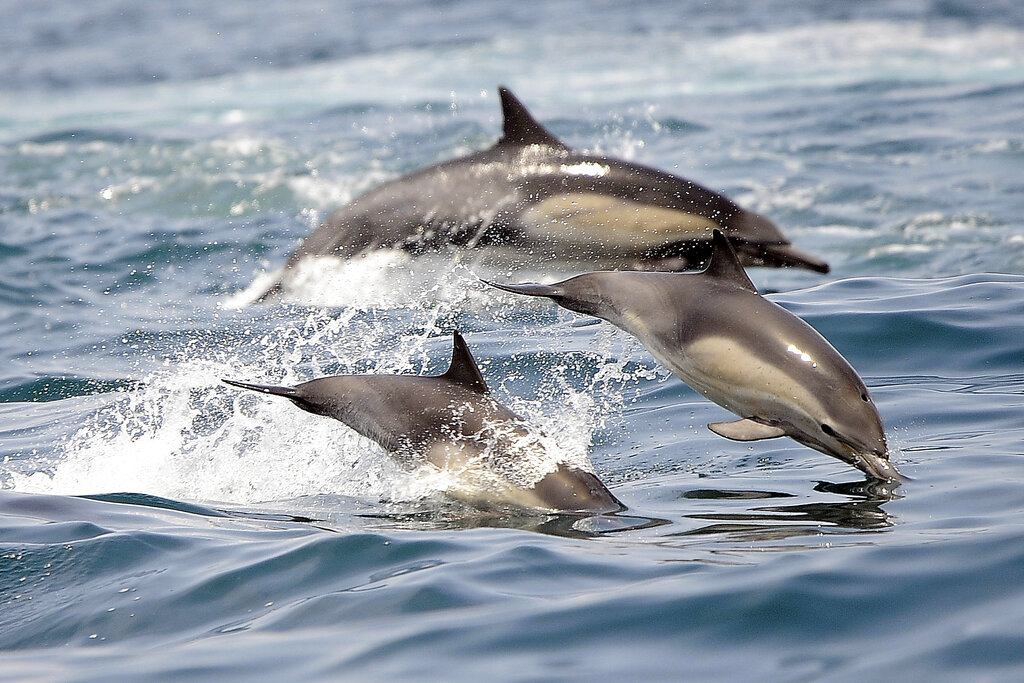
<point x="566" y="525"/>
<point x="731" y="515"/>
<point x="147" y="500"/>
<point x="344" y="514"/>
<point x="770" y="518"/>
<point x="862" y="511"/>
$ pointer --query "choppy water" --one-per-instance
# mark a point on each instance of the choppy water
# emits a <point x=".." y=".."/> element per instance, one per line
<point x="157" y="159"/>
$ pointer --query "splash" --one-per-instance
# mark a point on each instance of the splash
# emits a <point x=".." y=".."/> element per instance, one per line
<point x="182" y="434"/>
<point x="394" y="279"/>
<point x="186" y="436"/>
<point x="375" y="280"/>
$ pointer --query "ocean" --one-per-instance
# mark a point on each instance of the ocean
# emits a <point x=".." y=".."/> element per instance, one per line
<point x="158" y="161"/>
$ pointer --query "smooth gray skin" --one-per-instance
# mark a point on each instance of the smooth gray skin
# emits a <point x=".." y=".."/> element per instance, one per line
<point x="448" y="420"/>
<point x="532" y="195"/>
<point x="745" y="353"/>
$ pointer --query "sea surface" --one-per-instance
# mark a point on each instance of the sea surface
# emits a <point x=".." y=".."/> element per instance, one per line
<point x="158" y="159"/>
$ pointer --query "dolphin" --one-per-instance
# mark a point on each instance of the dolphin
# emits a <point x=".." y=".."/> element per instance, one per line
<point x="745" y="353"/>
<point x="533" y="196"/>
<point x="453" y="422"/>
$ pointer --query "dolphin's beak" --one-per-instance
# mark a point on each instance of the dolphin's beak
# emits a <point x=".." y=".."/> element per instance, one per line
<point x="871" y="460"/>
<point x="528" y="288"/>
<point x="877" y="466"/>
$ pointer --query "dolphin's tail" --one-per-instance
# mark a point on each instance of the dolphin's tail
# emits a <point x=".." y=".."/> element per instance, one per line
<point x="529" y="288"/>
<point x="287" y="392"/>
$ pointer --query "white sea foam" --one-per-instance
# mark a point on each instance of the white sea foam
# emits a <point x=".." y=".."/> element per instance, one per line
<point x="184" y="435"/>
<point x="767" y="198"/>
<point x="900" y="249"/>
<point x="188" y="437"/>
<point x="447" y="282"/>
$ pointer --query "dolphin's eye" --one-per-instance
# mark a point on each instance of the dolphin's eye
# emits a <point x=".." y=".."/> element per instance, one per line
<point x="864" y="397"/>
<point x="828" y="430"/>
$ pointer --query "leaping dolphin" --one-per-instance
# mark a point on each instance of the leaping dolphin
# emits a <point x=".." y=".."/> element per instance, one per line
<point x="453" y="422"/>
<point x="745" y="353"/>
<point x="532" y="195"/>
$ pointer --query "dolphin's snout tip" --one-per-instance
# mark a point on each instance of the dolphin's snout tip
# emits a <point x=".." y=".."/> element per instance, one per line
<point x="879" y="466"/>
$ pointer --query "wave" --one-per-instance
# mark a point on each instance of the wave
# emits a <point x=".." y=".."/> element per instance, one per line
<point x="663" y="62"/>
<point x="60" y="388"/>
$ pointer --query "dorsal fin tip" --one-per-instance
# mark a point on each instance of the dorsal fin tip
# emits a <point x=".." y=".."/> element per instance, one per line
<point x="725" y="264"/>
<point x="463" y="369"/>
<point x="519" y="127"/>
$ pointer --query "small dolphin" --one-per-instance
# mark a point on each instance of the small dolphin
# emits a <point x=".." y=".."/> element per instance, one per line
<point x="745" y="353"/>
<point x="533" y="195"/>
<point x="453" y="422"/>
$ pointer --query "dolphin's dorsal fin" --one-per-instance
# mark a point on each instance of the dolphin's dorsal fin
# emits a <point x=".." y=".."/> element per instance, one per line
<point x="463" y="370"/>
<point x="520" y="127"/>
<point x="725" y="265"/>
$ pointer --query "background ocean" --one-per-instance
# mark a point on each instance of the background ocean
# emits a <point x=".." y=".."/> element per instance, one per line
<point x="157" y="159"/>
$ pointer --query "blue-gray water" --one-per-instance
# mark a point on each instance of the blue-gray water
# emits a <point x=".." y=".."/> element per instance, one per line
<point x="158" y="158"/>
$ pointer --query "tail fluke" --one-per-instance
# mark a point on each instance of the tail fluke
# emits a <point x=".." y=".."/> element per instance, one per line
<point x="529" y="288"/>
<point x="287" y="392"/>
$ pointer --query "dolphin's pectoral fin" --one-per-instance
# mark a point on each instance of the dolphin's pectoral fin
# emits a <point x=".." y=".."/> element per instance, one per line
<point x="463" y="369"/>
<point x="746" y="430"/>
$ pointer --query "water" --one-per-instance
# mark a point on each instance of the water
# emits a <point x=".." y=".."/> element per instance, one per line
<point x="157" y="160"/>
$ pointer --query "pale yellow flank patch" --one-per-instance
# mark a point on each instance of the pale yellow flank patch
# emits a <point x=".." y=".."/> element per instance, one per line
<point x="732" y="376"/>
<point x="615" y="223"/>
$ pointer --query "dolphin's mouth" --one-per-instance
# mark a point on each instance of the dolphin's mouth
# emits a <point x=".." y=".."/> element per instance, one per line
<point x="872" y="461"/>
<point x="878" y="466"/>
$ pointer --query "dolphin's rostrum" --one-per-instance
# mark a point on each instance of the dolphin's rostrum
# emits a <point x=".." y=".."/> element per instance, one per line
<point x="530" y="198"/>
<point x="453" y="422"/>
<point x="745" y="353"/>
